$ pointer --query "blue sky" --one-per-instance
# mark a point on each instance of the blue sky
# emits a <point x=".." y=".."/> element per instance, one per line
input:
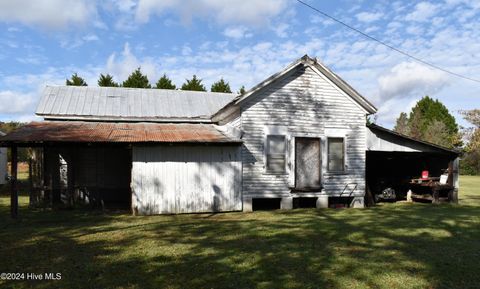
<point x="244" y="41"/>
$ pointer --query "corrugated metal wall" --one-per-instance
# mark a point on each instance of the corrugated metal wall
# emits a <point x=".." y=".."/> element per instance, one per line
<point x="186" y="179"/>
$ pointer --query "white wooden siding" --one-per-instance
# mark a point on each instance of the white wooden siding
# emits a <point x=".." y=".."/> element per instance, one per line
<point x="186" y="179"/>
<point x="308" y="105"/>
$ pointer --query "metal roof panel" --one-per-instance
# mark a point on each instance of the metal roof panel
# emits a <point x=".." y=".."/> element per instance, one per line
<point x="111" y="103"/>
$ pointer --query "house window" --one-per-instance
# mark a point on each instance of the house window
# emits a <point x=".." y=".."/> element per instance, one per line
<point x="275" y="154"/>
<point x="336" y="154"/>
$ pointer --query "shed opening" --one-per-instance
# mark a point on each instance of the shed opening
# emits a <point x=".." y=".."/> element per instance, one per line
<point x="398" y="172"/>
<point x="74" y="176"/>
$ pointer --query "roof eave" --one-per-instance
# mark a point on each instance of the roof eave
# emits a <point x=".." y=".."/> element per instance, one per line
<point x="347" y="88"/>
<point x="204" y="119"/>
<point x="381" y="128"/>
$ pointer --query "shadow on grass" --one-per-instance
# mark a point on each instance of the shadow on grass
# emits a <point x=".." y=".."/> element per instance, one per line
<point x="392" y="246"/>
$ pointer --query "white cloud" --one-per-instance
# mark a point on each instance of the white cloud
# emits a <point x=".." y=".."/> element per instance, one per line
<point x="17" y="102"/>
<point x="237" y="32"/>
<point x="72" y="42"/>
<point x="14" y="29"/>
<point x="372" y="29"/>
<point x="423" y="12"/>
<point x="409" y="78"/>
<point x="415" y="30"/>
<point x="32" y="59"/>
<point x="90" y="37"/>
<point x="281" y="30"/>
<point x="55" y="14"/>
<point x="316" y="19"/>
<point x="247" y="12"/>
<point x="378" y="73"/>
<point x="186" y="50"/>
<point x="23" y="91"/>
<point x="30" y="82"/>
<point x="10" y="43"/>
<point x="124" y="65"/>
<point x="125" y="5"/>
<point x="389" y="110"/>
<point x="369" y="16"/>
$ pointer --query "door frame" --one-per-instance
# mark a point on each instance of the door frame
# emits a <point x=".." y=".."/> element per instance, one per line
<point x="293" y="161"/>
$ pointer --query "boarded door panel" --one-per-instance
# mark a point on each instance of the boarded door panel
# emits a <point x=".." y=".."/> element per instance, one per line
<point x="307" y="163"/>
<point x="186" y="179"/>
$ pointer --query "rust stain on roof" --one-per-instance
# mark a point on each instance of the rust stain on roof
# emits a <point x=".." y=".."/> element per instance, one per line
<point x="96" y="132"/>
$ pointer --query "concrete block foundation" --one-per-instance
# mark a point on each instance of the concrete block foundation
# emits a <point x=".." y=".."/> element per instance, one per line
<point x="247" y="205"/>
<point x="286" y="203"/>
<point x="322" y="202"/>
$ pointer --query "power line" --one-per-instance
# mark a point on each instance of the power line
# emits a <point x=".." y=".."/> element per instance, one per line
<point x="387" y="45"/>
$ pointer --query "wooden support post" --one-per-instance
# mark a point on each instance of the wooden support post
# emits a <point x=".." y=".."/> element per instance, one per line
<point x="50" y="194"/>
<point x="13" y="183"/>
<point x="436" y="195"/>
<point x="409" y="196"/>
<point x="30" y="182"/>
<point x="456" y="183"/>
<point x="70" y="177"/>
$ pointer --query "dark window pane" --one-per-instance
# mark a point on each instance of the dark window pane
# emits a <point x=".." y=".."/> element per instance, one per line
<point x="276" y="144"/>
<point x="336" y="154"/>
<point x="275" y="153"/>
<point x="276" y="165"/>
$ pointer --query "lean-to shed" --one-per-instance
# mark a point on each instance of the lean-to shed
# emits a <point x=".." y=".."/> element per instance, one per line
<point x="92" y="148"/>
<point x="393" y="160"/>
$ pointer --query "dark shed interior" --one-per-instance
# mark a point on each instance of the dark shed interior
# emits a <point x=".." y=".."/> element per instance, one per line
<point x="394" y="166"/>
<point x="397" y="169"/>
<point x="98" y="176"/>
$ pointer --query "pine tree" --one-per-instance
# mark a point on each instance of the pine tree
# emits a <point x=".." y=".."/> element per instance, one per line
<point x="431" y="110"/>
<point x="75" y="80"/>
<point x="430" y="120"/>
<point x="165" y="83"/>
<point x="242" y="90"/>
<point x="221" y="86"/>
<point x="137" y="80"/>
<point x="106" y="81"/>
<point x="193" y="84"/>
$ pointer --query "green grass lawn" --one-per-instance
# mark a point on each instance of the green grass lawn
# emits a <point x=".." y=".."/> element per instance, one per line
<point x="390" y="246"/>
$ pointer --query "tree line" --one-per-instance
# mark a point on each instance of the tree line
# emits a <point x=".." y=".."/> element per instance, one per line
<point x="429" y="120"/>
<point x="139" y="80"/>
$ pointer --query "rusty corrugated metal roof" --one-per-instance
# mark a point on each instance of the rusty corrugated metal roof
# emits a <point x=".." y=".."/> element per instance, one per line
<point x="98" y="132"/>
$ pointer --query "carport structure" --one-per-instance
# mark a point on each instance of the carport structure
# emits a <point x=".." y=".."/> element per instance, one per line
<point x="394" y="160"/>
